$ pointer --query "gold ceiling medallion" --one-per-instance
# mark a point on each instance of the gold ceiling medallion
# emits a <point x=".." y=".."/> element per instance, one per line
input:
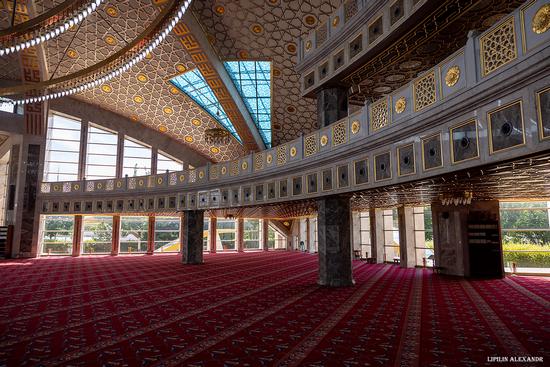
<point x="355" y="127"/>
<point x="138" y="99"/>
<point x="400" y="105"/>
<point x="142" y="78"/>
<point x="217" y="136"/>
<point x="111" y="11"/>
<point x="244" y="165"/>
<point x="291" y="48"/>
<point x="196" y="122"/>
<point x="134" y="118"/>
<point x="336" y="21"/>
<point x="324" y="140"/>
<point x="163" y="129"/>
<point x="72" y="53"/>
<point x="219" y="9"/>
<point x="106" y="88"/>
<point x="110" y="40"/>
<point x="276" y="72"/>
<point x="452" y="76"/>
<point x="188" y="139"/>
<point x="215" y="150"/>
<point x="168" y="110"/>
<point x="243" y="54"/>
<point x="149" y="56"/>
<point x="256" y="28"/>
<point x="308" y="45"/>
<point x="211" y="38"/>
<point x="174" y="90"/>
<point x="269" y="158"/>
<point x="293" y="151"/>
<point x="180" y="68"/>
<point x="310" y="20"/>
<point x="291" y="109"/>
<point x="541" y="20"/>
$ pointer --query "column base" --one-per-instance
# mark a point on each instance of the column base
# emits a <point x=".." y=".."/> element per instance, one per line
<point x="333" y="283"/>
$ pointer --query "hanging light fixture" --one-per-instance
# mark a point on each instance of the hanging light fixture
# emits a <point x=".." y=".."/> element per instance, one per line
<point x="217" y="136"/>
<point x="154" y="43"/>
<point x="57" y="31"/>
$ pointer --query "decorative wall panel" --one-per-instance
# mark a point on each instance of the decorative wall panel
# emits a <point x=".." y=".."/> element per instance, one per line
<point x="424" y="91"/>
<point x="379" y="116"/>
<point x="406" y="164"/>
<point x="432" y="152"/>
<point x="382" y="167"/>
<point x="543" y="112"/>
<point x="506" y="127"/>
<point x="310" y="143"/>
<point x="464" y="142"/>
<point x="498" y="47"/>
<point x="361" y="169"/>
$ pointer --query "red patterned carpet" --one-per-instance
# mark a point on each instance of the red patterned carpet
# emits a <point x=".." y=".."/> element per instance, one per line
<point x="261" y="309"/>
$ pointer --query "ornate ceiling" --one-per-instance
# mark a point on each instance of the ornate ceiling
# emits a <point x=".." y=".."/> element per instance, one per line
<point x="254" y="29"/>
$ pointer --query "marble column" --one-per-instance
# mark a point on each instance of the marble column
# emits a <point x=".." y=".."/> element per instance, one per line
<point x="265" y="234"/>
<point x="116" y="235"/>
<point x="151" y="236"/>
<point x="334" y="241"/>
<point x="308" y="235"/>
<point x="212" y="234"/>
<point x="407" y="244"/>
<point x="77" y="235"/>
<point x="192" y="231"/>
<point x="378" y="235"/>
<point x="240" y="234"/>
<point x="332" y="105"/>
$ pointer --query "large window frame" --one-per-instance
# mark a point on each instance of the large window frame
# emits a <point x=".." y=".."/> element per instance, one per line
<point x="134" y="234"/>
<point x="252" y="237"/>
<point x="226" y="233"/>
<point x="60" y="230"/>
<point x="103" y="234"/>
<point x="525" y="232"/>
<point x="364" y="234"/>
<point x="63" y="148"/>
<point x="391" y="230"/>
<point x="131" y="157"/>
<point x="102" y="150"/>
<point x="166" y="162"/>
<point x="167" y="237"/>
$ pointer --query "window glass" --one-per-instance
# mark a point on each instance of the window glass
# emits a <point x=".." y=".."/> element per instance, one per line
<point x="167" y="234"/>
<point x="391" y="235"/>
<point x="133" y="234"/>
<point x="137" y="159"/>
<point x="167" y="163"/>
<point x="423" y="230"/>
<point x="225" y="232"/>
<point x="205" y="232"/>
<point x="275" y="240"/>
<point x="364" y="235"/>
<point x="57" y="234"/>
<point x="62" y="149"/>
<point x="525" y="230"/>
<point x="97" y="235"/>
<point x="251" y="234"/>
<point x="101" y="153"/>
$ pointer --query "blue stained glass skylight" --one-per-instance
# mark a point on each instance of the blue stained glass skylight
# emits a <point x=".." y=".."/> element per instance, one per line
<point x="193" y="84"/>
<point x="253" y="81"/>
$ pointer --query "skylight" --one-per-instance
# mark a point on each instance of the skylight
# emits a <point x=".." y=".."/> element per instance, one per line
<point x="195" y="87"/>
<point x="253" y="81"/>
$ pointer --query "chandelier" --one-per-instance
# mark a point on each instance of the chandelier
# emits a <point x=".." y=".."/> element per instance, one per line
<point x="217" y="136"/>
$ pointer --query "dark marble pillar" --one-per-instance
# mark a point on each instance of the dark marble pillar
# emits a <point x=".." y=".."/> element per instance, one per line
<point x="192" y="231"/>
<point x="151" y="236"/>
<point x="332" y="105"/>
<point x="334" y="241"/>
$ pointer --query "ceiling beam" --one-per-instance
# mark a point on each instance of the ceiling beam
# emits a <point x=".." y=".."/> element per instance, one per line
<point x="194" y="40"/>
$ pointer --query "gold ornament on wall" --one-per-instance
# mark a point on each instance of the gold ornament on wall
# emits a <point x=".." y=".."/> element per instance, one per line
<point x="72" y="54"/>
<point x="269" y="158"/>
<point x="355" y="127"/>
<point x="541" y="20"/>
<point x="224" y="170"/>
<point x="244" y="165"/>
<point x="201" y="174"/>
<point x="308" y="45"/>
<point x="335" y="21"/>
<point x="324" y="140"/>
<point x="293" y="151"/>
<point x="400" y="105"/>
<point x="452" y="76"/>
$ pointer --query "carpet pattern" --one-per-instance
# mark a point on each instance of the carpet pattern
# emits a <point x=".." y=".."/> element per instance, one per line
<point x="260" y="309"/>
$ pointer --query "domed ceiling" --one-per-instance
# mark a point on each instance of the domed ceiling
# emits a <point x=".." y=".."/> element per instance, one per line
<point x="244" y="29"/>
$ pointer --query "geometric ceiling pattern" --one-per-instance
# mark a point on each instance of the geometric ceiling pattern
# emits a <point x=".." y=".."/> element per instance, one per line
<point x="238" y="30"/>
